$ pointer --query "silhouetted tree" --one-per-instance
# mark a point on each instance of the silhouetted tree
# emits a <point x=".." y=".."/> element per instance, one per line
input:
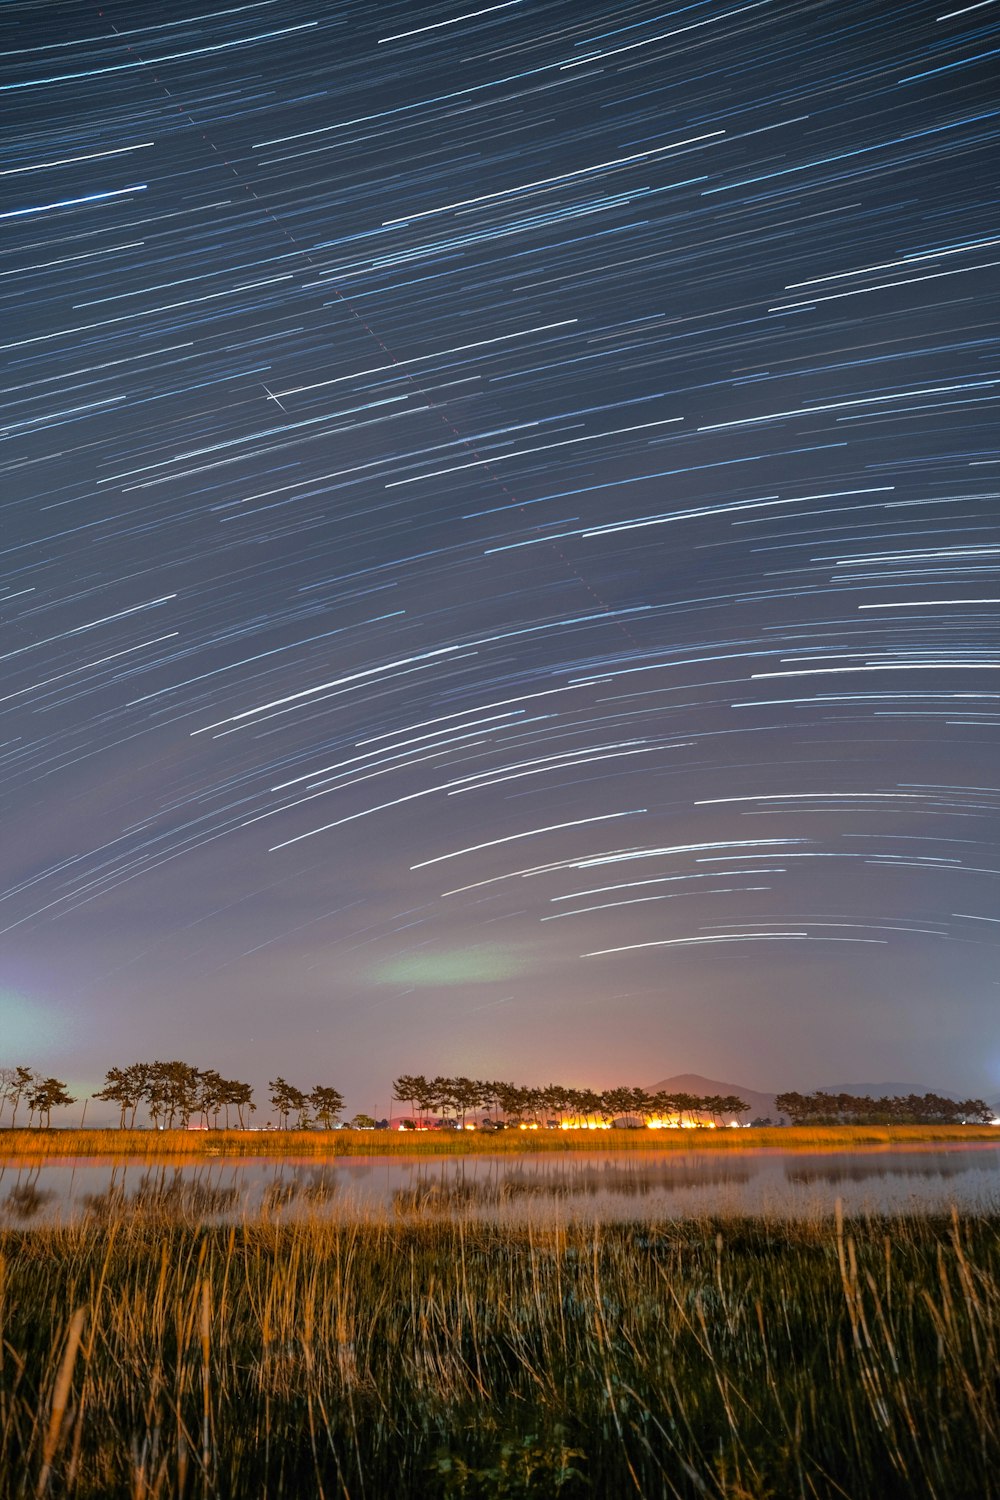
<point x="617" y="1102"/>
<point x="177" y="1085"/>
<point x="975" y="1111"/>
<point x="283" y="1097"/>
<point x="125" y="1087"/>
<point x="405" y="1089"/>
<point x="6" y="1084"/>
<point x="327" y="1104"/>
<point x="48" y="1094"/>
<point x="238" y="1096"/>
<point x="20" y="1082"/>
<point x="851" y="1109"/>
<point x="211" y="1095"/>
<point x="509" y="1097"/>
<point x="464" y="1095"/>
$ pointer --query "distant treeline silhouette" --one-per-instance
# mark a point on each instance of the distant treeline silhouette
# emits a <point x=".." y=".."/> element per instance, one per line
<point x="890" y="1109"/>
<point x="457" y="1098"/>
<point x="174" y="1094"/>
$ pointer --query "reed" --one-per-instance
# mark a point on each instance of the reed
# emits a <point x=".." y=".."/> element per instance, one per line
<point x="41" y="1145"/>
<point x="731" y="1358"/>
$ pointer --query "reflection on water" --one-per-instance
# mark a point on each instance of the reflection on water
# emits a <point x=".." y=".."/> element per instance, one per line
<point x="25" y="1201"/>
<point x="314" y="1189"/>
<point x="590" y="1185"/>
<point x="935" y="1167"/>
<point x="181" y="1196"/>
<point x="575" y="1183"/>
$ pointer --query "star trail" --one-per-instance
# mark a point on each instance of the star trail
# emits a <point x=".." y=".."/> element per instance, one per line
<point x="500" y="556"/>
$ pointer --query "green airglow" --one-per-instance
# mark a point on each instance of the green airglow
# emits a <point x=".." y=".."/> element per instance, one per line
<point x="483" y="964"/>
<point x="26" y="1027"/>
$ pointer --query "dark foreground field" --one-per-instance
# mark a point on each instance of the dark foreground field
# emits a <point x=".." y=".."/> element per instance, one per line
<point x="145" y="1357"/>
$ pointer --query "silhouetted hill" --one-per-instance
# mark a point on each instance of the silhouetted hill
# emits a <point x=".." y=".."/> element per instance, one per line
<point x="761" y="1105"/>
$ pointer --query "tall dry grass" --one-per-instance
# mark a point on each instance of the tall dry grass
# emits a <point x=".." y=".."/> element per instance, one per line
<point x="736" y="1359"/>
<point x="34" y="1145"/>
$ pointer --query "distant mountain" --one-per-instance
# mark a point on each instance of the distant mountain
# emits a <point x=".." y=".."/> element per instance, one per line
<point x="761" y="1105"/>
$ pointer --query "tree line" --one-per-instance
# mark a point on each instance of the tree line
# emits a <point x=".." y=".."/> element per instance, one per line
<point x="39" y="1095"/>
<point x="456" y="1098"/>
<point x="174" y="1093"/>
<point x="889" y="1109"/>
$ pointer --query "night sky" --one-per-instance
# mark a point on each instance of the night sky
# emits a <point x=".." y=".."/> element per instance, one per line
<point x="501" y="541"/>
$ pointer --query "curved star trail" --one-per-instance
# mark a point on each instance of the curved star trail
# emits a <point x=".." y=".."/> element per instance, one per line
<point x="518" y="482"/>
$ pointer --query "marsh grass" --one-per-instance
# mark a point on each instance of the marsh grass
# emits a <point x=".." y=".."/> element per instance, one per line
<point x="741" y="1359"/>
<point x="35" y="1145"/>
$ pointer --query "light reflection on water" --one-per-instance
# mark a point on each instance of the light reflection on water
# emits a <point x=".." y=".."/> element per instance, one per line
<point x="591" y="1185"/>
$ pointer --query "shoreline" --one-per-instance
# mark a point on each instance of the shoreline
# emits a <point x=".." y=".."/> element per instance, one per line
<point x="31" y="1145"/>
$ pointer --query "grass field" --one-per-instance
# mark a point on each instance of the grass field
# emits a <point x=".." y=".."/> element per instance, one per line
<point x="739" y="1359"/>
<point x="33" y="1145"/>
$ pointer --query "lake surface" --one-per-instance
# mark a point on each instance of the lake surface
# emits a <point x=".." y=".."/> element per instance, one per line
<point x="605" y="1186"/>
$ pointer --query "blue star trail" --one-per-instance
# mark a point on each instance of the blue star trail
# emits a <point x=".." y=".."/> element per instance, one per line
<point x="438" y="439"/>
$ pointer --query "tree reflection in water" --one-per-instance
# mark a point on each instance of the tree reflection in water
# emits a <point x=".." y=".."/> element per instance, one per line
<point x="156" y="1195"/>
<point x="605" y="1185"/>
<point x="25" y="1201"/>
<point x="450" y="1191"/>
<point x="926" y="1168"/>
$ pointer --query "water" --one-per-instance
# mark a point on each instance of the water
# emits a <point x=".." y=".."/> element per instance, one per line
<point x="542" y="1188"/>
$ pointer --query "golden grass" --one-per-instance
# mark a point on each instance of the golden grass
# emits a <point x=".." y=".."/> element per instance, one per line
<point x="150" y="1358"/>
<point x="188" y="1145"/>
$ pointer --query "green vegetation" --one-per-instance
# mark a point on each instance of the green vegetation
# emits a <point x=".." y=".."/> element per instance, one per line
<point x="148" y="1355"/>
